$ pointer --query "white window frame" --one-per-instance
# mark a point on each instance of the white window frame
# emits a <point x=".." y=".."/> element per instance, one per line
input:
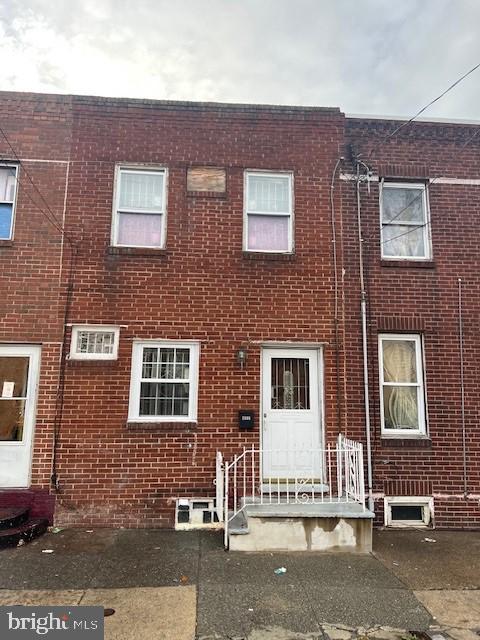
<point x="119" y="170"/>
<point x="136" y="379"/>
<point x="13" y="202"/>
<point x="273" y="174"/>
<point x="94" y="328"/>
<point x="421" y="432"/>
<point x="425" y="502"/>
<point x="427" y="235"/>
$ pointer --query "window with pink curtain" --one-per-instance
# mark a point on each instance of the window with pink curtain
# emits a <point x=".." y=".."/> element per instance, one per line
<point x="268" y="210"/>
<point x="140" y="215"/>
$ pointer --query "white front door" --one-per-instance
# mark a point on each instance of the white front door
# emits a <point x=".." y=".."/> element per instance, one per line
<point x="291" y="409"/>
<point x="19" y="368"/>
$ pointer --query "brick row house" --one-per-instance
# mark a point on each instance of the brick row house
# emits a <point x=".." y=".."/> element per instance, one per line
<point x="191" y="296"/>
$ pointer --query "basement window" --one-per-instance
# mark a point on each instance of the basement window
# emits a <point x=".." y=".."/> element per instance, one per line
<point x="408" y="511"/>
<point x="196" y="513"/>
<point x="94" y="342"/>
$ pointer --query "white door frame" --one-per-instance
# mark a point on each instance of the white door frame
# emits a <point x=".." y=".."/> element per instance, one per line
<point x="21" y="452"/>
<point x="294" y="347"/>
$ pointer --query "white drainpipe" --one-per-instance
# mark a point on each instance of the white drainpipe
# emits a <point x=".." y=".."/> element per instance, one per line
<point x="363" y="311"/>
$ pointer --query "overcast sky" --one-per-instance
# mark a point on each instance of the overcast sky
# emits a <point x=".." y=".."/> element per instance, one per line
<point x="364" y="56"/>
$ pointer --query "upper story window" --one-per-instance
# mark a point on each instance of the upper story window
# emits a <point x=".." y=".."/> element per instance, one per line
<point x="405" y="220"/>
<point x="164" y="383"/>
<point x="94" y="342"/>
<point x="140" y="208"/>
<point x="268" y="212"/>
<point x="402" y="393"/>
<point x="8" y="182"/>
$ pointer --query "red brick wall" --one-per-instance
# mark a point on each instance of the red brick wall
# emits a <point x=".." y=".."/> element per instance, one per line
<point x="410" y="297"/>
<point x="32" y="293"/>
<point x="201" y="287"/>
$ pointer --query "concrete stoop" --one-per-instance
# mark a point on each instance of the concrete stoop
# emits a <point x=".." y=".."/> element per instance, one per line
<point x="302" y="527"/>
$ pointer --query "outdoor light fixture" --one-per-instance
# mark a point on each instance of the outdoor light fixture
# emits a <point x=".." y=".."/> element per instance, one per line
<point x="242" y="357"/>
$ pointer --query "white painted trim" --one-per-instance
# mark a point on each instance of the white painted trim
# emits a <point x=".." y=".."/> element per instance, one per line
<point x="273" y="174"/>
<point x="135" y="380"/>
<point x="94" y="328"/>
<point x="426" y="502"/>
<point x="473" y="182"/>
<point x="136" y="168"/>
<point x="426" y="228"/>
<point x="421" y="432"/>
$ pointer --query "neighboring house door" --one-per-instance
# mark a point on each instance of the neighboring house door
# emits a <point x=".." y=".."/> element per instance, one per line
<point x="19" y="369"/>
<point x="291" y="410"/>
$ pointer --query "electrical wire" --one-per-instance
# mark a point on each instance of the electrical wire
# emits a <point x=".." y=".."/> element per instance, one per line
<point x="422" y="110"/>
<point x="51" y="217"/>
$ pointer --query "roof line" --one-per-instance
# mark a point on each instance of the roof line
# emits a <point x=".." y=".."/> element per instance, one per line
<point x="369" y="116"/>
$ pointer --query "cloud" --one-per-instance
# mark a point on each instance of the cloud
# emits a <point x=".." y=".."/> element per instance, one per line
<point x="370" y="57"/>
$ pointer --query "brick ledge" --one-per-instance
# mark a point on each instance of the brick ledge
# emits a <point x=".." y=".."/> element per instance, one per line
<point x="162" y="426"/>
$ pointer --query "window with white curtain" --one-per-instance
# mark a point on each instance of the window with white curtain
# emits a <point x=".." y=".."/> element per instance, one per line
<point x="402" y="393"/>
<point x="405" y="221"/>
<point x="140" y="208"/>
<point x="268" y="206"/>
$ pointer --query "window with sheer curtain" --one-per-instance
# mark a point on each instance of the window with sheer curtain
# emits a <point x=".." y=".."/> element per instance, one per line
<point x="8" y="184"/>
<point x="405" y="221"/>
<point x="401" y="385"/>
<point x="139" y="218"/>
<point x="268" y="212"/>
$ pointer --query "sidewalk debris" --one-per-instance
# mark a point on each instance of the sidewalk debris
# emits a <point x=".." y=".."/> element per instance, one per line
<point x="429" y="540"/>
<point x="280" y="571"/>
<point x="47" y="550"/>
<point x="183" y="579"/>
<point x="55" y="529"/>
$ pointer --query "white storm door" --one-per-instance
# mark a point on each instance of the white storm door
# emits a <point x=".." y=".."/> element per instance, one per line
<point x="292" y="433"/>
<point x="19" y="369"/>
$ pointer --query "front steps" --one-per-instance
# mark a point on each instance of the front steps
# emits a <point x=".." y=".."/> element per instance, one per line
<point x="16" y="526"/>
<point x="336" y="526"/>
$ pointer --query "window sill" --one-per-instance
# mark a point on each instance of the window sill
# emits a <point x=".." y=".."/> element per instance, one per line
<point x="222" y="195"/>
<point x="275" y="257"/>
<point x="136" y="251"/>
<point x="408" y="264"/>
<point x="418" y="441"/>
<point x="161" y="427"/>
<point x="6" y="243"/>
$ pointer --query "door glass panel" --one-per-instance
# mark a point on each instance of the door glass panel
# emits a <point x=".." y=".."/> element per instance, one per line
<point x="12" y="413"/>
<point x="290" y="383"/>
<point x="13" y="370"/>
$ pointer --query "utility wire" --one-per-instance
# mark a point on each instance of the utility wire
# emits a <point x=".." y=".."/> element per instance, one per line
<point x="53" y="219"/>
<point x="404" y="124"/>
<point x="14" y="173"/>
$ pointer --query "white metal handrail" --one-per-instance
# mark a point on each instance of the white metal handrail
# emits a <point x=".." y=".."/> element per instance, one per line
<point x="335" y="475"/>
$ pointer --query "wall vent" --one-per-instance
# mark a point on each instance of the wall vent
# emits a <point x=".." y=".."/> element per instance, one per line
<point x="196" y="513"/>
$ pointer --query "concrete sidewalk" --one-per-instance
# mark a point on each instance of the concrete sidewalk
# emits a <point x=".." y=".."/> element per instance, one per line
<point x="442" y="568"/>
<point x="171" y="585"/>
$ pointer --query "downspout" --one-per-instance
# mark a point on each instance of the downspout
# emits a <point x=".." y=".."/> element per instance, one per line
<point x="363" y="312"/>
<point x="462" y="387"/>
